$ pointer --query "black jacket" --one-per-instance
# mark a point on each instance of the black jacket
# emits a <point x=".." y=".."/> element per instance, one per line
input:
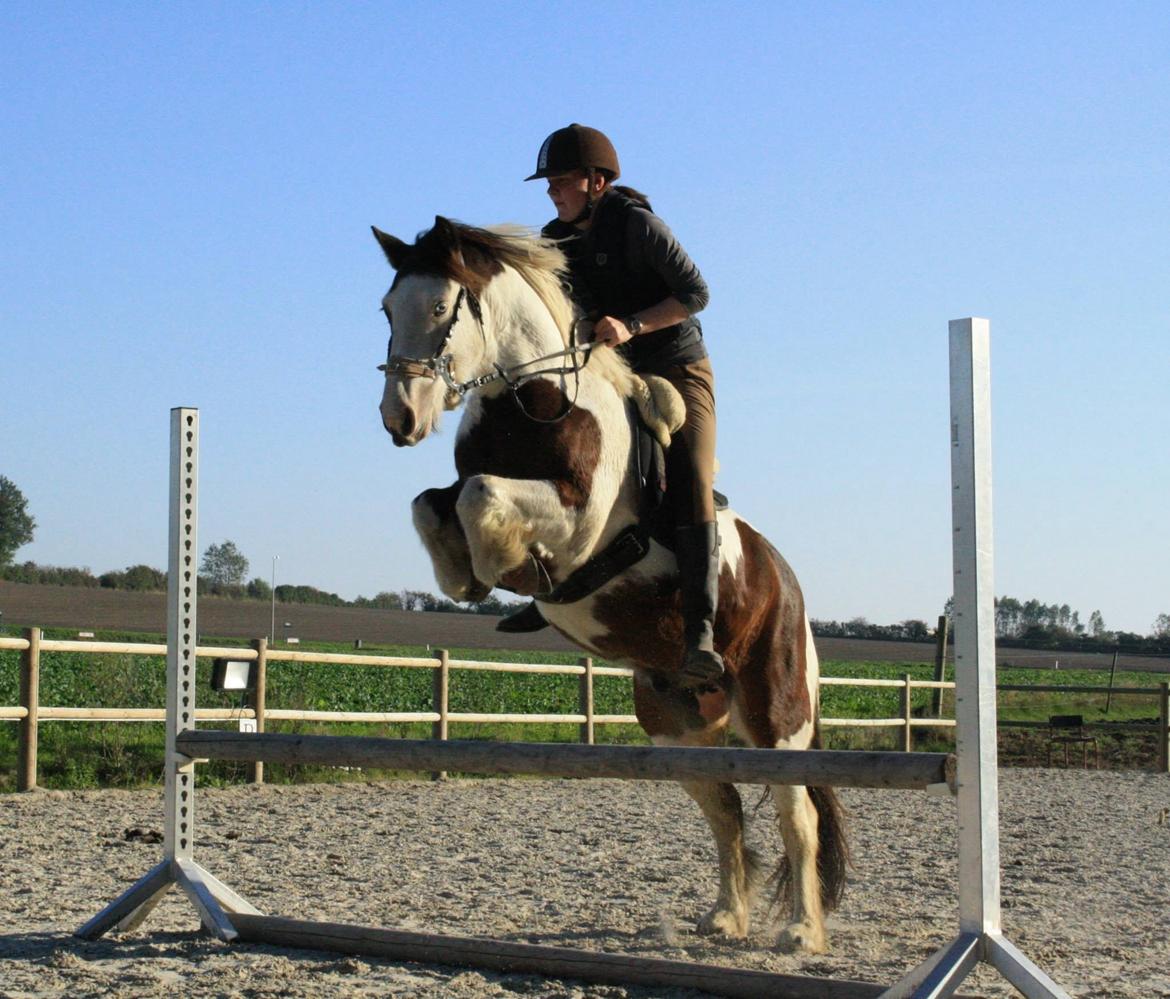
<point x="627" y="260"/>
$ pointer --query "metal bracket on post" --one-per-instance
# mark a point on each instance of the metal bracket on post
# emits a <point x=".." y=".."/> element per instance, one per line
<point x="211" y="897"/>
<point x="980" y="938"/>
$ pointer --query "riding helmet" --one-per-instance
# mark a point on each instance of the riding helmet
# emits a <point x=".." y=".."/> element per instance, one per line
<point x="576" y="147"/>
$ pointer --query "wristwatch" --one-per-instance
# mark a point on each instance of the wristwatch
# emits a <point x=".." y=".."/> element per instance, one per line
<point x="634" y="325"/>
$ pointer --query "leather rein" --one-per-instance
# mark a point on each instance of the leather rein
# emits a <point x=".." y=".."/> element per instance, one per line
<point x="442" y="364"/>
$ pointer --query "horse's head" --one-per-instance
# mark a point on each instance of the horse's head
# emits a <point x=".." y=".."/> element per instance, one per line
<point x="433" y="308"/>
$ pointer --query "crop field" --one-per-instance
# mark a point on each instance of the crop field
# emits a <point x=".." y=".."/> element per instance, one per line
<point x="78" y="608"/>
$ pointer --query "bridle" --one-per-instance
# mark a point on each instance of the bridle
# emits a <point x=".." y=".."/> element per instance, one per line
<point x="442" y="365"/>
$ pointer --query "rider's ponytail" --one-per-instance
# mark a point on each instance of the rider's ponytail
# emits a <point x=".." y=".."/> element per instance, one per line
<point x="641" y="200"/>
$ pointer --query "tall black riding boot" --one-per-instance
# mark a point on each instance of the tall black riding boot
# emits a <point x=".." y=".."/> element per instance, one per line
<point x="527" y="618"/>
<point x="697" y="551"/>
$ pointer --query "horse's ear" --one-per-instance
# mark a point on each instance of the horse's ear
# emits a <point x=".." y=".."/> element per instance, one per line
<point x="394" y="249"/>
<point x="446" y="233"/>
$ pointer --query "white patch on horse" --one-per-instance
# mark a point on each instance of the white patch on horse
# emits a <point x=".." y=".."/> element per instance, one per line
<point x="505" y="518"/>
<point x="730" y="543"/>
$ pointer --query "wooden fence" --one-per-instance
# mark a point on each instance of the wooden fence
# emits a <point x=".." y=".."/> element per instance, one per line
<point x="30" y="713"/>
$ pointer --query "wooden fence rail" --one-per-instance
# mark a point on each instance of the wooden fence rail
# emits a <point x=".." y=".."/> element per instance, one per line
<point x="30" y="713"/>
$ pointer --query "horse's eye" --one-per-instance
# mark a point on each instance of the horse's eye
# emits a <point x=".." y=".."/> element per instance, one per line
<point x="440" y="308"/>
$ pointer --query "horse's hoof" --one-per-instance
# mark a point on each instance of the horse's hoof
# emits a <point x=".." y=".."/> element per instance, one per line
<point x="802" y="938"/>
<point x="701" y="671"/>
<point x="724" y="923"/>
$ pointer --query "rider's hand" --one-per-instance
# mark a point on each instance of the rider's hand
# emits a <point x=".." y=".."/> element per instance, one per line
<point x="610" y="332"/>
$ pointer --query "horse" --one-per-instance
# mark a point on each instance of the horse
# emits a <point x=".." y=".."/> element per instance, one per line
<point x="548" y="490"/>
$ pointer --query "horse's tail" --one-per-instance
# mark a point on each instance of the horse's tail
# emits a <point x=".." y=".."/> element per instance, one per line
<point x="661" y="407"/>
<point x="833" y="855"/>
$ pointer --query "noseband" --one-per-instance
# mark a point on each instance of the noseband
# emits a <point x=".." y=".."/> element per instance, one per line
<point x="442" y="365"/>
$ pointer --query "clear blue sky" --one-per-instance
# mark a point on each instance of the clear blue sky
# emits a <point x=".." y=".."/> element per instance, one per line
<point x="185" y="200"/>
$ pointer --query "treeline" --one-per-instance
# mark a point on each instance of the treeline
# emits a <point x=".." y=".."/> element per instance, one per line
<point x="859" y="627"/>
<point x="1028" y="624"/>
<point x="146" y="579"/>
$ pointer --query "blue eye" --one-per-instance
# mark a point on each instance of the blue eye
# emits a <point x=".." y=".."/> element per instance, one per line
<point x="440" y="308"/>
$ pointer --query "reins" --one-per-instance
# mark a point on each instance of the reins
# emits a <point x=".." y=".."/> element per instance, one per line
<point x="441" y="365"/>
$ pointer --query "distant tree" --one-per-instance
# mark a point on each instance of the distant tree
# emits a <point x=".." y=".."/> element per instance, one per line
<point x="416" y="600"/>
<point x="259" y="589"/>
<point x="145" y="578"/>
<point x="51" y="575"/>
<point x="224" y="565"/>
<point x="1096" y="624"/>
<point x="493" y="605"/>
<point x="16" y="524"/>
<point x="383" y="601"/>
<point x="857" y="627"/>
<point x="915" y="631"/>
<point x="1007" y="617"/>
<point x="1161" y="626"/>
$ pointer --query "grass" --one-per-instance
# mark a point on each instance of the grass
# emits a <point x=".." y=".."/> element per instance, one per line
<point x="94" y="754"/>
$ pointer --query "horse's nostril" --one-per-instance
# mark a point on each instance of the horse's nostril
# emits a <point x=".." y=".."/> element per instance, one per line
<point x="407" y="427"/>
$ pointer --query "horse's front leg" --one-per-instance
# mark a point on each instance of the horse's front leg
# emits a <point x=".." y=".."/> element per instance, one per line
<point x="673" y="717"/>
<point x="442" y="535"/>
<point x="508" y="521"/>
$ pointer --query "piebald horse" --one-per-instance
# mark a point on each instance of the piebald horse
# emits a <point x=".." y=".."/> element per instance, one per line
<point x="546" y="481"/>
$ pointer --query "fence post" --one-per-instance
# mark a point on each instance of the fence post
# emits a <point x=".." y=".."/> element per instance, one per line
<point x="585" y="699"/>
<point x="1112" y="674"/>
<point x="940" y="664"/>
<point x="1164" y="729"/>
<point x="30" y="700"/>
<point x="905" y="712"/>
<point x="439" y="693"/>
<point x="258" y="700"/>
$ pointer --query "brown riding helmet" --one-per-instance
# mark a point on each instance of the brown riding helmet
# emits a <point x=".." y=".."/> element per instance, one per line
<point x="576" y="147"/>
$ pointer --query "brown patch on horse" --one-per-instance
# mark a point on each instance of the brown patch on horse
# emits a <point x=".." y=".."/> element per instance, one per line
<point x="642" y="623"/>
<point x="507" y="443"/>
<point x="759" y="631"/>
<point x="761" y="626"/>
<point x="663" y="710"/>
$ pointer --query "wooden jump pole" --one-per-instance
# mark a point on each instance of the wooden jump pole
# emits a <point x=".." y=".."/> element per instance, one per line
<point x="553" y="962"/>
<point x="821" y="768"/>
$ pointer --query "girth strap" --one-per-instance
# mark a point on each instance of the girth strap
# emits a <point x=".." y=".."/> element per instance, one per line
<point x="628" y="548"/>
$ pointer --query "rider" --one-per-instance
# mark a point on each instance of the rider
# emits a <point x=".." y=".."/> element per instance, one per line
<point x="630" y="275"/>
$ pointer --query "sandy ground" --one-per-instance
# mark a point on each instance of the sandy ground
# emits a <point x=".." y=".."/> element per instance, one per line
<point x="602" y="865"/>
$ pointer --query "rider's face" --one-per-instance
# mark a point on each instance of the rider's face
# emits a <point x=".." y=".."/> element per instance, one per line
<point x="569" y="192"/>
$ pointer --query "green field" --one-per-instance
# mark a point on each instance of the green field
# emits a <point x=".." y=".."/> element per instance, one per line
<point x="95" y="754"/>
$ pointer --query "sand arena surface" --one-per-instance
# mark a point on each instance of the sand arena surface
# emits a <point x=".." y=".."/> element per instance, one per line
<point x="608" y="865"/>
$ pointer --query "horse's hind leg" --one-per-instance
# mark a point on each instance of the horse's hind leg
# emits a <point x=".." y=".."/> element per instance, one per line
<point x="676" y="718"/>
<point x="798" y="822"/>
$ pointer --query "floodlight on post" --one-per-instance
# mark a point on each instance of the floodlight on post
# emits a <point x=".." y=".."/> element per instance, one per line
<point x="233" y="674"/>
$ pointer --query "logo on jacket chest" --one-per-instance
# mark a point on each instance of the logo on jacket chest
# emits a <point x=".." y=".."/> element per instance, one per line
<point x="600" y="259"/>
